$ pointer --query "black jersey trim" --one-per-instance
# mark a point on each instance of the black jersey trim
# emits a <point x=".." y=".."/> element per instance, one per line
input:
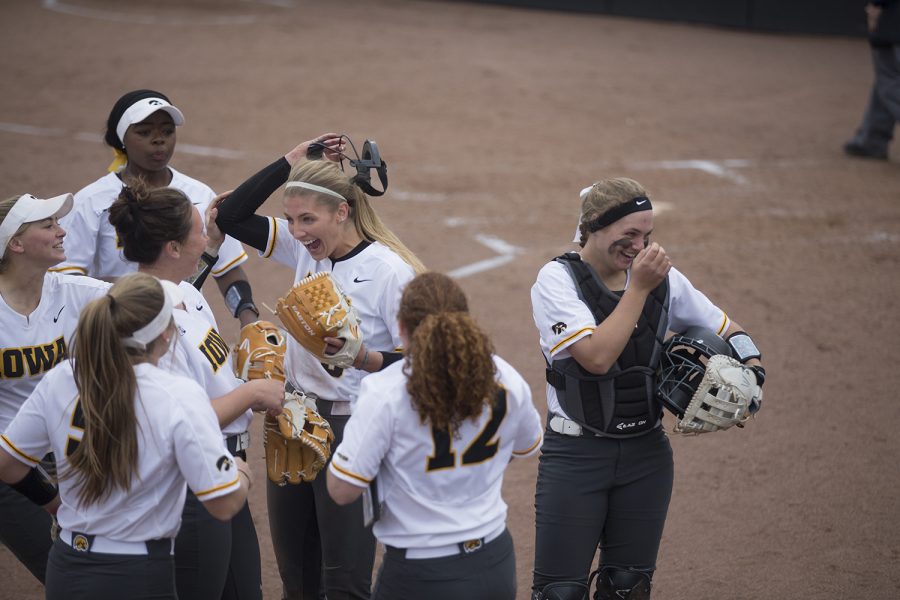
<point x="359" y="248"/>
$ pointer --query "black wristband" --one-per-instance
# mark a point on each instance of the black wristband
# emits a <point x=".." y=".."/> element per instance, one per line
<point x="760" y="374"/>
<point x="389" y="358"/>
<point x="239" y="297"/>
<point x="36" y="486"/>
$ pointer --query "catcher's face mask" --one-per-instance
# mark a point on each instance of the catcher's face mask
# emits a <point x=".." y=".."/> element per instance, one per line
<point x="683" y="364"/>
<point x="363" y="162"/>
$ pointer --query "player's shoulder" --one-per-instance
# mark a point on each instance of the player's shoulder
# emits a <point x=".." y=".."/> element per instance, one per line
<point x="508" y="376"/>
<point x="166" y="387"/>
<point x="56" y="282"/>
<point x="387" y="385"/>
<point x="194" y="189"/>
<point x="380" y="257"/>
<point x="552" y="272"/>
<point x="99" y="194"/>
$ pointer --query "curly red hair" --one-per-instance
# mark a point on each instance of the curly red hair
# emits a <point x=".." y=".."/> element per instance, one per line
<point x="449" y="362"/>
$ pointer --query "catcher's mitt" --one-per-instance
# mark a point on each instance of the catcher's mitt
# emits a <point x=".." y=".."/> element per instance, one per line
<point x="727" y="395"/>
<point x="316" y="308"/>
<point x="260" y="352"/>
<point x="297" y="442"/>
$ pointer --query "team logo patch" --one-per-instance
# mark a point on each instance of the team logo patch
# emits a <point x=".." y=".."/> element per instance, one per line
<point x="558" y="328"/>
<point x="470" y="546"/>
<point x="224" y="463"/>
<point x="81" y="543"/>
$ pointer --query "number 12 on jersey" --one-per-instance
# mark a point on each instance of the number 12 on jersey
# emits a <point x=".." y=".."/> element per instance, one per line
<point x="482" y="448"/>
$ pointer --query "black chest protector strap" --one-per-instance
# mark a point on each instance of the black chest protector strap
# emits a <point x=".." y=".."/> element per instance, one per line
<point x="622" y="402"/>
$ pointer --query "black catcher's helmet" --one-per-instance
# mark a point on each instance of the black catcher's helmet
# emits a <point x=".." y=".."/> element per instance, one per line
<point x="683" y="364"/>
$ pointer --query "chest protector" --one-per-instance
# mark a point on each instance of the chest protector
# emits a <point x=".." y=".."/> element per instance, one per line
<point x="620" y="403"/>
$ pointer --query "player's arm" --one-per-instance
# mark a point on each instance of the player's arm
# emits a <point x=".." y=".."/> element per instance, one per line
<point x="258" y="395"/>
<point x="598" y="352"/>
<point x="225" y="507"/>
<point x="237" y="213"/>
<point x="31" y="482"/>
<point x="341" y="491"/>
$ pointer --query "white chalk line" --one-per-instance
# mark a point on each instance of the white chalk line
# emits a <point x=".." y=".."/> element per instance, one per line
<point x="147" y="19"/>
<point x="84" y="136"/>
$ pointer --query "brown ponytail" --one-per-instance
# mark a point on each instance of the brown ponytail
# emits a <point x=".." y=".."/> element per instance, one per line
<point x="107" y="456"/>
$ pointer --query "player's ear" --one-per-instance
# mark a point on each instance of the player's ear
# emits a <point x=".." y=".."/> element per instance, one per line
<point x="173" y="249"/>
<point x="343" y="211"/>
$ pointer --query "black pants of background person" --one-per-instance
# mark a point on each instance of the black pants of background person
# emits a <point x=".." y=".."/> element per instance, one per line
<point x="217" y="560"/>
<point x="74" y="575"/>
<point x="347" y="547"/>
<point x="594" y="491"/>
<point x="883" y="111"/>
<point x="25" y="530"/>
<point x="487" y="574"/>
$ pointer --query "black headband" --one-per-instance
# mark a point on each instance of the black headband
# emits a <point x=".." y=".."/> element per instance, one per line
<point x="617" y="212"/>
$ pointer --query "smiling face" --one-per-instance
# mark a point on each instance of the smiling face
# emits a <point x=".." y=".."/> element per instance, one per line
<point x="613" y="248"/>
<point x="321" y="229"/>
<point x="150" y="144"/>
<point x="40" y="242"/>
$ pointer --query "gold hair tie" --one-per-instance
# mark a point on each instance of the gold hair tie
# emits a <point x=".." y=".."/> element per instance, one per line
<point x="119" y="162"/>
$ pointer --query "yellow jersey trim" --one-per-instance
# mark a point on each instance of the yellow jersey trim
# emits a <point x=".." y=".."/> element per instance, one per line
<point x="68" y="270"/>
<point x="574" y="335"/>
<point x="273" y="227"/>
<point x="19" y="452"/>
<point x="359" y="478"/>
<point x="227" y="267"/>
<point x="236" y="480"/>
<point x="530" y="448"/>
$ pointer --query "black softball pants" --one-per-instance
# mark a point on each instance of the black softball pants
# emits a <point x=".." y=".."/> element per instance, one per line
<point x="217" y="560"/>
<point x="25" y="530"/>
<point x="347" y="547"/>
<point x="74" y="575"/>
<point x="487" y="574"/>
<point x="593" y="491"/>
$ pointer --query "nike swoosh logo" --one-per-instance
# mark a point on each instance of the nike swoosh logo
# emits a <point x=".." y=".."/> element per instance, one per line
<point x="56" y="318"/>
<point x="639" y="202"/>
<point x="358" y="280"/>
<point x="200" y="307"/>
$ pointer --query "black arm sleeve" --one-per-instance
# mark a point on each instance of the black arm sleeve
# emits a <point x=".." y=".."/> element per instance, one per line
<point x="237" y="216"/>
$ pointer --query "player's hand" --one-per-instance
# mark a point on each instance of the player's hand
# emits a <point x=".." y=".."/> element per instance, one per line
<point x="216" y="237"/>
<point x="266" y="394"/>
<point x="333" y="143"/>
<point x="650" y="267"/>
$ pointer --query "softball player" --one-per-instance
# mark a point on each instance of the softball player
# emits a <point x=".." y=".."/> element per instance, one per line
<point x="164" y="234"/>
<point x="141" y="130"/>
<point x="329" y="226"/>
<point x="606" y="470"/>
<point x="438" y="432"/>
<point x="38" y="314"/>
<point x="131" y="435"/>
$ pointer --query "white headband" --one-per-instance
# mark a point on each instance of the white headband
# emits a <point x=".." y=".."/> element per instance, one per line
<point x="315" y="188"/>
<point x="581" y="195"/>
<point x="141" y="338"/>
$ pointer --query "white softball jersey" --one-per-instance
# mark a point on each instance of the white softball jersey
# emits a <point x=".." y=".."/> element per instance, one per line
<point x="178" y="441"/>
<point x="31" y="345"/>
<point x="92" y="246"/>
<point x="200" y="354"/>
<point x="435" y="489"/>
<point x="373" y="277"/>
<point x="562" y="318"/>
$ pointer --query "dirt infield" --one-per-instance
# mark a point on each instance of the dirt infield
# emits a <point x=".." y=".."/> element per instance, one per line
<point x="492" y="119"/>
